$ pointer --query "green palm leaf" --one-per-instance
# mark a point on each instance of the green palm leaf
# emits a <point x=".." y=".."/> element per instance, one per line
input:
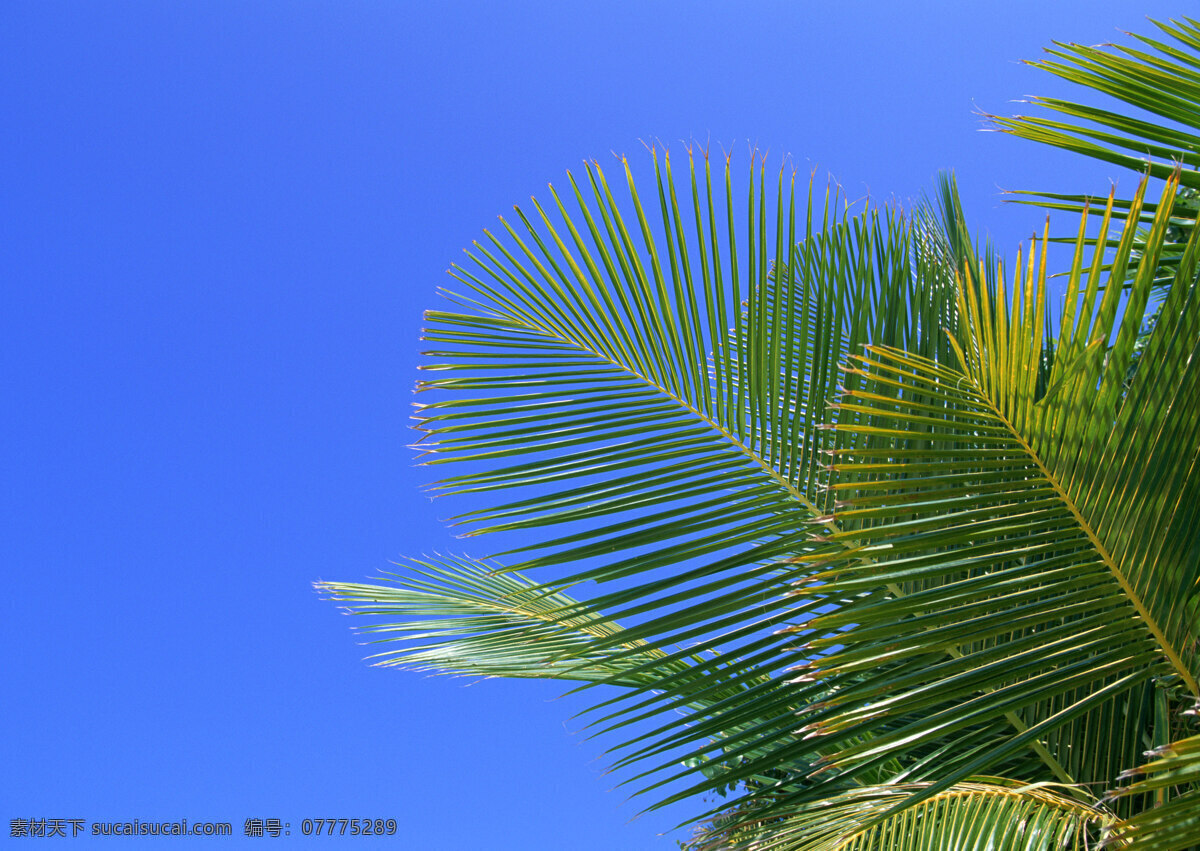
<point x="664" y="399"/>
<point x="1164" y="82"/>
<point x="1011" y="533"/>
<point x="453" y="615"/>
<point x="597" y="366"/>
<point x="872" y="531"/>
<point x="1173" y="776"/>
<point x="969" y="816"/>
<point x="1161" y="78"/>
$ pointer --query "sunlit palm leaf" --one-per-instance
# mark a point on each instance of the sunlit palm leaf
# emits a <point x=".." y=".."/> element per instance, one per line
<point x="868" y="536"/>
<point x="983" y="598"/>
<point x="1014" y="533"/>
<point x="683" y="458"/>
<point x="452" y="615"/>
<point x="1164" y="82"/>
<point x="1173" y="776"/>
<point x="1160" y="77"/>
<point x="596" y="365"/>
<point x="966" y="817"/>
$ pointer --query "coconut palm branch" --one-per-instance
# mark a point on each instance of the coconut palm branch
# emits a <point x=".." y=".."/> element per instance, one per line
<point x="990" y="813"/>
<point x="661" y="395"/>
<point x="871" y="529"/>
<point x="1013" y="533"/>
<point x="664" y="400"/>
<point x="1160" y="77"/>
<point x="1173" y="777"/>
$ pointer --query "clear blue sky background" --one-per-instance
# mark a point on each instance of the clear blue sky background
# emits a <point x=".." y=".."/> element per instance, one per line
<point x="221" y="222"/>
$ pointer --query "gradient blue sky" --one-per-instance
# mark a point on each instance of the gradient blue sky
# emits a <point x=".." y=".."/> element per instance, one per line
<point x="221" y="222"/>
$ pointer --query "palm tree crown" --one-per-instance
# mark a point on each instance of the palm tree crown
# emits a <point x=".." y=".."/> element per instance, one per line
<point x="879" y="535"/>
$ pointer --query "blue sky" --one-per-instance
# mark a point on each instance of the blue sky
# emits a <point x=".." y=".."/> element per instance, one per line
<point x="221" y="224"/>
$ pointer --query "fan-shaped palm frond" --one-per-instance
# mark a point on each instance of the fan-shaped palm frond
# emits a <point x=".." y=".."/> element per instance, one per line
<point x="599" y="371"/>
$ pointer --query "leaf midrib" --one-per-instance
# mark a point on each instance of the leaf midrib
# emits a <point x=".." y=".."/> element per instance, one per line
<point x="1139" y="606"/>
<point x="730" y="438"/>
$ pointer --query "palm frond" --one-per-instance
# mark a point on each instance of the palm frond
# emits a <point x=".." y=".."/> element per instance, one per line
<point x="596" y="367"/>
<point x="1039" y="550"/>
<point x="965" y="589"/>
<point x="981" y="559"/>
<point x="456" y="616"/>
<point x="663" y="402"/>
<point x="1173" y="777"/>
<point x="986" y="813"/>
<point x="1164" y="82"/>
<point x="1158" y="78"/>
